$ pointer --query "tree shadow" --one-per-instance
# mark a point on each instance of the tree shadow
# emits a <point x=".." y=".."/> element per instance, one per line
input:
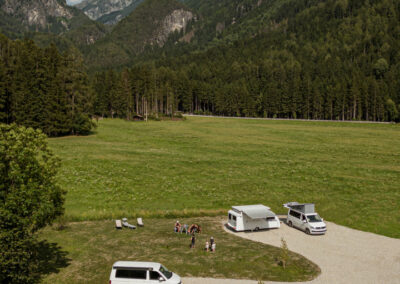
<point x="50" y="258"/>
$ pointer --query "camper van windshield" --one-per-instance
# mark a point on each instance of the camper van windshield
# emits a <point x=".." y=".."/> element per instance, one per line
<point x="314" y="218"/>
<point x="166" y="272"/>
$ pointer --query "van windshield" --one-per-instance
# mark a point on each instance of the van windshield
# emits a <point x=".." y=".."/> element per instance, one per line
<point x="314" y="218"/>
<point x="166" y="272"/>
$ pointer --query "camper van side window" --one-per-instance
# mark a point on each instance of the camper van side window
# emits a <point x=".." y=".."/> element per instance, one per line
<point x="154" y="275"/>
<point x="234" y="218"/>
<point x="130" y="273"/>
<point x="294" y="214"/>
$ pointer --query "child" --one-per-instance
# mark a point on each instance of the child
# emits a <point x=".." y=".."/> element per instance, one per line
<point x="213" y="247"/>
<point x="207" y="248"/>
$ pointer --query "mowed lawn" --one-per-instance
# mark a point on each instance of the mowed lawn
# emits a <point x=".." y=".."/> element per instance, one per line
<point x="202" y="166"/>
<point x="89" y="249"/>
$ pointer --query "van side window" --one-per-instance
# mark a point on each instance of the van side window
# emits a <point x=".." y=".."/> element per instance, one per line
<point x="294" y="214"/>
<point x="234" y="218"/>
<point x="130" y="273"/>
<point x="154" y="275"/>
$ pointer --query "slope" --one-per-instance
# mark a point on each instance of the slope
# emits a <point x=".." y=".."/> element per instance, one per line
<point x="149" y="25"/>
<point x="108" y="11"/>
<point x="48" y="21"/>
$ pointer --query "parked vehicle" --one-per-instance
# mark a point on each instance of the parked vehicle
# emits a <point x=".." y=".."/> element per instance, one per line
<point x="252" y="218"/>
<point x="135" y="272"/>
<point x="304" y="217"/>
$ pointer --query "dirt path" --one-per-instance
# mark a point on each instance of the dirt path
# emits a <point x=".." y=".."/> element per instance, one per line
<point x="343" y="254"/>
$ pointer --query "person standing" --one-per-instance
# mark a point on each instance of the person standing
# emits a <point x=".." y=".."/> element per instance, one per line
<point x="193" y="241"/>
<point x="211" y="241"/>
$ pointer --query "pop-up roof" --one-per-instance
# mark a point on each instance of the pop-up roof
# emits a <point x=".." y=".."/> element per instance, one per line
<point x="255" y="211"/>
<point x="305" y="208"/>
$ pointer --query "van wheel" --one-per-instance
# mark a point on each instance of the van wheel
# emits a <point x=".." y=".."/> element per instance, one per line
<point x="257" y="229"/>
<point x="290" y="224"/>
<point x="308" y="232"/>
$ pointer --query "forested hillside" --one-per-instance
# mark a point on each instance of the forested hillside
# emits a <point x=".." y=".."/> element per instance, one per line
<point x="313" y="59"/>
<point x="150" y="24"/>
<point x="44" y="89"/>
<point x="48" y="21"/>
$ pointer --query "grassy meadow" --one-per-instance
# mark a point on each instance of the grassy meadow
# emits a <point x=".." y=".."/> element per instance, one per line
<point x="92" y="248"/>
<point x="202" y="166"/>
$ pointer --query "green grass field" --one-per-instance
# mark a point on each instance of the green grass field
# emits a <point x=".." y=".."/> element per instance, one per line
<point x="92" y="248"/>
<point x="202" y="166"/>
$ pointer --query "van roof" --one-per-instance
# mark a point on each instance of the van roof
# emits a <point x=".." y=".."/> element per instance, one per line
<point x="258" y="211"/>
<point x="137" y="264"/>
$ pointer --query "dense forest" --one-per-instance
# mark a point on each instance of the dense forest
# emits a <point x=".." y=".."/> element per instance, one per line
<point x="309" y="59"/>
<point x="330" y="59"/>
<point x="43" y="89"/>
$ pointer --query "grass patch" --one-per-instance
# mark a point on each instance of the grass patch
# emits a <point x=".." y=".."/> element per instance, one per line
<point x="95" y="246"/>
<point x="202" y="166"/>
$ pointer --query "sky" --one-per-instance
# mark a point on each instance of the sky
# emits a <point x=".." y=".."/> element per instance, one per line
<point x="73" y="2"/>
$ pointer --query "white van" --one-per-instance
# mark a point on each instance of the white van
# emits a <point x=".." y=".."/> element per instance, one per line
<point x="135" y="272"/>
<point x="252" y="218"/>
<point x="304" y="217"/>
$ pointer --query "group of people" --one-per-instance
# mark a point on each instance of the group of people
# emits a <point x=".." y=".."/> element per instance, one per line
<point x="192" y="230"/>
<point x="210" y="246"/>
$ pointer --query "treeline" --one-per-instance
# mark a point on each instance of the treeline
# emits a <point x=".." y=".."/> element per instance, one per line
<point x="43" y="89"/>
<point x="335" y="60"/>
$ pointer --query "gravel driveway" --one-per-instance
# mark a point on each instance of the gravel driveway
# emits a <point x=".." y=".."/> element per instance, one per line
<point x="344" y="255"/>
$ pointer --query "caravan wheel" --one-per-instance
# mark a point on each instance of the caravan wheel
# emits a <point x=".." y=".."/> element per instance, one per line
<point x="257" y="229"/>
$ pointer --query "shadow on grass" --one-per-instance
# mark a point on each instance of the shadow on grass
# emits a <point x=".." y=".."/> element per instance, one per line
<point x="50" y="258"/>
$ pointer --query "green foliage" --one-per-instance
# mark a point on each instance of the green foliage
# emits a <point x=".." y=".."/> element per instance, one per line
<point x="30" y="199"/>
<point x="43" y="89"/>
<point x="283" y="253"/>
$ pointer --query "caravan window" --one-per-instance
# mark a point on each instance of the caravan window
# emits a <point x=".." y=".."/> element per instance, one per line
<point x="234" y="218"/>
<point x="230" y="216"/>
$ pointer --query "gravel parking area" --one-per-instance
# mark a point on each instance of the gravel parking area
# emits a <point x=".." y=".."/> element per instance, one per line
<point x="343" y="254"/>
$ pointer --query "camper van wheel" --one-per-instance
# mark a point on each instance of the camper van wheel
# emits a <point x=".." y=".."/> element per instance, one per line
<point x="290" y="224"/>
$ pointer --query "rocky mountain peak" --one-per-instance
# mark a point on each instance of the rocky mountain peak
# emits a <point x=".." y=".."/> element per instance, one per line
<point x="37" y="13"/>
<point x="175" y="21"/>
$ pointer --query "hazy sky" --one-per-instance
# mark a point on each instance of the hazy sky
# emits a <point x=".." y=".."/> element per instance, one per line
<point x="73" y="2"/>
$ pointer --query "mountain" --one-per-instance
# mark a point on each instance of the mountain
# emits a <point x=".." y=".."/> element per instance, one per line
<point x="48" y="20"/>
<point x="108" y="12"/>
<point x="148" y="26"/>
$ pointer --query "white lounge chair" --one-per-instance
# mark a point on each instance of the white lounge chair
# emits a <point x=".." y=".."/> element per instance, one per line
<point x="118" y="224"/>
<point x="140" y="222"/>
<point x="126" y="224"/>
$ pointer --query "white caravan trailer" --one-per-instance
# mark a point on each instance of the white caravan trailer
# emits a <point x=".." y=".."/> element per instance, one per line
<point x="252" y="218"/>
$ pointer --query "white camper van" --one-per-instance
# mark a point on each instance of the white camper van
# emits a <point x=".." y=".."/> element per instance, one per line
<point x="252" y="218"/>
<point x="137" y="272"/>
<point x="304" y="217"/>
